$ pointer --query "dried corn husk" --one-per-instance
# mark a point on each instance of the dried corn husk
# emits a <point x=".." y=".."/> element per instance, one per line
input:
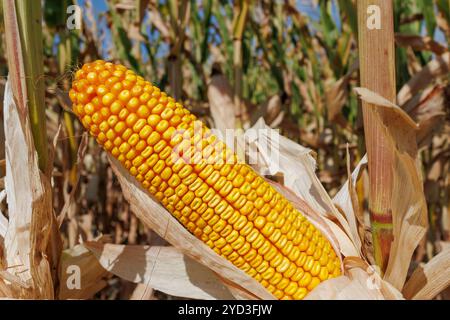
<point x="429" y="280"/>
<point x="162" y="268"/>
<point x="82" y="263"/>
<point x="360" y="282"/>
<point x="345" y="200"/>
<point x="29" y="209"/>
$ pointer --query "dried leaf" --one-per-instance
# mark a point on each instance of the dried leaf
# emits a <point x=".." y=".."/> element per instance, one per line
<point x="358" y="283"/>
<point x="29" y="206"/>
<point x="435" y="69"/>
<point x="163" y="268"/>
<point x="125" y="5"/>
<point x="337" y="95"/>
<point x="71" y="199"/>
<point x="80" y="262"/>
<point x="420" y="43"/>
<point x="142" y="292"/>
<point x="409" y="218"/>
<point x="344" y="200"/>
<point x="428" y="110"/>
<point x="375" y="99"/>
<point x="273" y="113"/>
<point x="157" y="20"/>
<point x="220" y="96"/>
<point x="429" y="280"/>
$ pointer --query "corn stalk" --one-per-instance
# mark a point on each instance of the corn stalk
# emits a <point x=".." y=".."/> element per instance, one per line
<point x="377" y="64"/>
<point x="29" y="18"/>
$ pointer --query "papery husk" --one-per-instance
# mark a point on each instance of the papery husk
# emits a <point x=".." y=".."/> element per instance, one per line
<point x="143" y="292"/>
<point x="349" y="206"/>
<point x="92" y="274"/>
<point x="29" y="207"/>
<point x="409" y="211"/>
<point x="375" y="99"/>
<point x="428" y="280"/>
<point x="360" y="282"/>
<point x="162" y="268"/>
<point x="157" y="218"/>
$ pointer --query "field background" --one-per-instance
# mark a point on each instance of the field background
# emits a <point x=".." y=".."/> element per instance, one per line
<point x="297" y="66"/>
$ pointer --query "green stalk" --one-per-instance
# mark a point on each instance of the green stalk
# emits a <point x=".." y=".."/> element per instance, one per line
<point x="29" y="18"/>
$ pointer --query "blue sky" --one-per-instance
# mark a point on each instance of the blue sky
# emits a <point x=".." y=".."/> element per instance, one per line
<point x="304" y="6"/>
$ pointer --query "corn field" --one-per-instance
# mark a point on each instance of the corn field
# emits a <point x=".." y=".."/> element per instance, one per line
<point x="352" y="98"/>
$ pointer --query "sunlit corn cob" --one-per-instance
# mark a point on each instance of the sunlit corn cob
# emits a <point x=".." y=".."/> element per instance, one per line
<point x="224" y="203"/>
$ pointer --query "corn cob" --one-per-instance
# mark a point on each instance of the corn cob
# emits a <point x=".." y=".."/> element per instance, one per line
<point x="222" y="202"/>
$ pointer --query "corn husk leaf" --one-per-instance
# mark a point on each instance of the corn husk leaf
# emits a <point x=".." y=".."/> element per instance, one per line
<point x="345" y="199"/>
<point x="375" y="99"/>
<point x="429" y="280"/>
<point x="436" y="68"/>
<point x="409" y="211"/>
<point x="154" y="216"/>
<point x="29" y="207"/>
<point x="162" y="268"/>
<point x="143" y="292"/>
<point x="92" y="276"/>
